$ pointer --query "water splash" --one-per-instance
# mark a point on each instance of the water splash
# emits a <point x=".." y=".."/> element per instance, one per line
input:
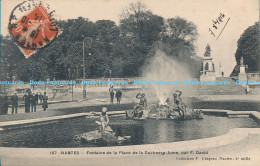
<point x="162" y="67"/>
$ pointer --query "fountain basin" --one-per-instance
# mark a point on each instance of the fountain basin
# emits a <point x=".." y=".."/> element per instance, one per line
<point x="60" y="133"/>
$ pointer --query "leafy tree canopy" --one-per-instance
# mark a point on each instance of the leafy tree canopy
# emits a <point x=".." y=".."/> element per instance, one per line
<point x="123" y="49"/>
<point x="248" y="47"/>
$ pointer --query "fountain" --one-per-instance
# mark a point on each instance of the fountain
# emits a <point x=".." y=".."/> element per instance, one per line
<point x="176" y="111"/>
<point x="167" y="68"/>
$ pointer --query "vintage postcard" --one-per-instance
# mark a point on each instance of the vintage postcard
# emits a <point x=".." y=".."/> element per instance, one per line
<point x="129" y="83"/>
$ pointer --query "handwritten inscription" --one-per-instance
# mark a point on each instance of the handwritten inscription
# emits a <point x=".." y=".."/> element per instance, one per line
<point x="217" y="25"/>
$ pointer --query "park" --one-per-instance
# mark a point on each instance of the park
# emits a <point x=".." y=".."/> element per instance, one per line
<point x="147" y="88"/>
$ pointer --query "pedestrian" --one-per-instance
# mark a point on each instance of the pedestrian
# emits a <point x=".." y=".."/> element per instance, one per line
<point x="40" y="97"/>
<point x="14" y="101"/>
<point x="112" y="94"/>
<point x="45" y="103"/>
<point x="37" y="97"/>
<point x="26" y="99"/>
<point x="30" y="101"/>
<point x="1" y="104"/>
<point x="118" y="96"/>
<point x="247" y="89"/>
<point x="222" y="73"/>
<point x="5" y="103"/>
<point x="33" y="102"/>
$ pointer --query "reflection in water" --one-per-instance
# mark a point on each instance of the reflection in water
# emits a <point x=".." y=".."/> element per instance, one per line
<point x="157" y="131"/>
<point x="147" y="131"/>
<point x="163" y="131"/>
<point x="135" y="130"/>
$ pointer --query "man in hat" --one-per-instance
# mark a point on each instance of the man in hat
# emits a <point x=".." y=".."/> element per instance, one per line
<point x="118" y="96"/>
<point x="14" y="101"/>
<point x="112" y="94"/>
<point x="37" y="97"/>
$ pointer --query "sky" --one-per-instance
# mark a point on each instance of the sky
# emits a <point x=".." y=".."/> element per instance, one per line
<point x="239" y="15"/>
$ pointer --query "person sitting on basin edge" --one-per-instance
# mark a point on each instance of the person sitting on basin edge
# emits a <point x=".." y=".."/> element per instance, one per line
<point x="138" y="109"/>
<point x="104" y="118"/>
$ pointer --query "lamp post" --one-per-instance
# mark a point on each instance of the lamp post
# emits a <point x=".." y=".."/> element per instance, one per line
<point x="84" y="72"/>
<point x="48" y="79"/>
<point x="110" y="71"/>
<point x="14" y="78"/>
<point x="70" y="76"/>
<point x="77" y="72"/>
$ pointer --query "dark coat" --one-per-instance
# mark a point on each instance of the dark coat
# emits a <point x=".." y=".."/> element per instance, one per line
<point x="33" y="99"/>
<point x="45" y="103"/>
<point x="118" y="94"/>
<point x="14" y="100"/>
<point x="112" y="94"/>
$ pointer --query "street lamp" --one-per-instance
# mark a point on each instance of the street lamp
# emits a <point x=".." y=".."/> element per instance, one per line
<point x="110" y="71"/>
<point x="84" y="72"/>
<point x="70" y="76"/>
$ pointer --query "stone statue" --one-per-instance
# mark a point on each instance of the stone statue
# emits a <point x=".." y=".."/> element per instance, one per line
<point x="241" y="61"/>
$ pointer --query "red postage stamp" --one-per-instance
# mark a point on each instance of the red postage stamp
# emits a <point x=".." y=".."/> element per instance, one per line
<point x="34" y="30"/>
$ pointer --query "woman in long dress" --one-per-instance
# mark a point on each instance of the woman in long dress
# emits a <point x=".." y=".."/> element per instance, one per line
<point x="44" y="103"/>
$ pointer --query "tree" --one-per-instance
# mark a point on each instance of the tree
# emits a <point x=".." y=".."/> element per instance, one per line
<point x="131" y="18"/>
<point x="140" y="29"/>
<point x="123" y="49"/>
<point x="180" y="35"/>
<point x="12" y="61"/>
<point x="140" y="24"/>
<point x="207" y="52"/>
<point x="248" y="47"/>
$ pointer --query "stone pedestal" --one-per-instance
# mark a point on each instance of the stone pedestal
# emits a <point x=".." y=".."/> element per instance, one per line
<point x="208" y="76"/>
<point x="242" y="76"/>
<point x="208" y="70"/>
<point x="242" y="69"/>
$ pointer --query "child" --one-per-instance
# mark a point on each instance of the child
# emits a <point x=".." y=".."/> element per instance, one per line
<point x="104" y="118"/>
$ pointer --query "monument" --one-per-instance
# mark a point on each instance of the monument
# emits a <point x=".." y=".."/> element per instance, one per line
<point x="242" y="72"/>
<point x="207" y="72"/>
